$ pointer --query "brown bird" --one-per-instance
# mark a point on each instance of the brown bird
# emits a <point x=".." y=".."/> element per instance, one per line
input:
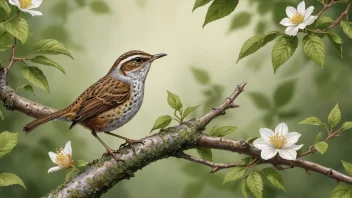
<point x="111" y="102"/>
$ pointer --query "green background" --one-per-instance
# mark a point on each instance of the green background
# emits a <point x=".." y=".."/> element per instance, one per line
<point x="97" y="35"/>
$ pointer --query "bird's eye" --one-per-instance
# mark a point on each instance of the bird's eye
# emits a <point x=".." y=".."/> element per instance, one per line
<point x="138" y="59"/>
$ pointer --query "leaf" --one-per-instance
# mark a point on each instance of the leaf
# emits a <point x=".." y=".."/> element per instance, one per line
<point x="8" y="141"/>
<point x="283" y="50"/>
<point x="5" y="6"/>
<point x="200" y="3"/>
<point x="26" y="87"/>
<point x="312" y="121"/>
<point x="245" y="189"/>
<point x="348" y="167"/>
<point x="99" y="7"/>
<point x="234" y="174"/>
<point x="283" y="94"/>
<point x="322" y="22"/>
<point x="35" y="76"/>
<point x="251" y="45"/>
<point x="223" y="131"/>
<point x="193" y="189"/>
<point x="7" y="179"/>
<point x="81" y="163"/>
<point x="219" y="9"/>
<point x="346" y="126"/>
<point x="68" y="175"/>
<point x="205" y="153"/>
<point x="284" y="115"/>
<point x="255" y="184"/>
<point x="335" y="116"/>
<point x="201" y="75"/>
<point x="6" y="41"/>
<point x="321" y="147"/>
<point x="268" y="118"/>
<point x="240" y="20"/>
<point x="314" y="48"/>
<point x="336" y="40"/>
<point x="46" y="61"/>
<point x="50" y="46"/>
<point x="162" y="122"/>
<point x="269" y="37"/>
<point x="318" y="137"/>
<point x="80" y="3"/>
<point x="174" y="101"/>
<point x="260" y="100"/>
<point x="274" y="178"/>
<point x="347" y="28"/>
<point x="189" y="110"/>
<point x="250" y="140"/>
<point x="342" y="191"/>
<point x="18" y="27"/>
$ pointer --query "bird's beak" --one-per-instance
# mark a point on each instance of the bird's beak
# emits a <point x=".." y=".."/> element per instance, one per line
<point x="156" y="56"/>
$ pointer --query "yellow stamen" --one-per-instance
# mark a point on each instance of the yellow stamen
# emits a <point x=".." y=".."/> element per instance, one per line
<point x="25" y="3"/>
<point x="278" y="140"/>
<point x="297" y="18"/>
<point x="63" y="159"/>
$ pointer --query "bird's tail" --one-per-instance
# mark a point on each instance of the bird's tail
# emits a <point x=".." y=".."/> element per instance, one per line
<point x="32" y="125"/>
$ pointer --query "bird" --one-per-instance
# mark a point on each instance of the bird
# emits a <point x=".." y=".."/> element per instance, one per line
<point x="111" y="102"/>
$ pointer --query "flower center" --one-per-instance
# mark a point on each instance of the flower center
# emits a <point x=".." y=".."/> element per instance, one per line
<point x="278" y="141"/>
<point x="63" y="159"/>
<point x="297" y="18"/>
<point x="25" y="3"/>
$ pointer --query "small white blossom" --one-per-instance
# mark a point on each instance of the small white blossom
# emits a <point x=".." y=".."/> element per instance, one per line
<point x="63" y="158"/>
<point x="298" y="19"/>
<point x="27" y="6"/>
<point x="280" y="141"/>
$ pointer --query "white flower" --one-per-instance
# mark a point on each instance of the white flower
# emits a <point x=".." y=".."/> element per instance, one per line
<point x="27" y="6"/>
<point x="280" y="141"/>
<point x="298" y="19"/>
<point x="63" y="158"/>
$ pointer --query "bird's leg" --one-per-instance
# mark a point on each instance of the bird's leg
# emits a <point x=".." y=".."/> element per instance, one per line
<point x="109" y="150"/>
<point x="128" y="141"/>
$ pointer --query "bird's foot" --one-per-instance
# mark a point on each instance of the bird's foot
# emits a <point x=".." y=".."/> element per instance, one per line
<point x="111" y="152"/>
<point x="130" y="143"/>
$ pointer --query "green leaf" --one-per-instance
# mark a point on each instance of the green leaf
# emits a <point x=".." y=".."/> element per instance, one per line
<point x="27" y="88"/>
<point x="200" y="3"/>
<point x="260" y="100"/>
<point x="80" y="3"/>
<point x="7" y="179"/>
<point x="347" y="28"/>
<point x="46" y="61"/>
<point x="223" y="131"/>
<point x="234" y="174"/>
<point x="283" y="94"/>
<point x="312" y="121"/>
<point x="342" y="191"/>
<point x="346" y="126"/>
<point x="6" y="41"/>
<point x="219" y="9"/>
<point x="255" y="184"/>
<point x="50" y="46"/>
<point x="283" y="50"/>
<point x="69" y="174"/>
<point x="314" y="48"/>
<point x="335" y="116"/>
<point x="201" y="75"/>
<point x="205" y="153"/>
<point x="240" y="20"/>
<point x="322" y="22"/>
<point x="289" y="114"/>
<point x="18" y="27"/>
<point x="35" y="76"/>
<point x="99" y="7"/>
<point x="336" y="40"/>
<point x="5" y="6"/>
<point x="250" y="140"/>
<point x="269" y="37"/>
<point x="251" y="45"/>
<point x="174" y="101"/>
<point x="274" y="178"/>
<point x="193" y="189"/>
<point x="321" y="147"/>
<point x="318" y="137"/>
<point x="81" y="163"/>
<point x="8" y="141"/>
<point x="189" y="110"/>
<point x="245" y="189"/>
<point x="348" y="167"/>
<point x="162" y="122"/>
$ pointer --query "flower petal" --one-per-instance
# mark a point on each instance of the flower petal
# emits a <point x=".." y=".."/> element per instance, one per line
<point x="291" y="30"/>
<point x="290" y="11"/>
<point x="308" y="12"/>
<point x="301" y="8"/>
<point x="286" y="22"/>
<point x="14" y="2"/>
<point x="56" y="168"/>
<point x="294" y="147"/>
<point x="310" y="20"/>
<point x="287" y="154"/>
<point x="302" y="26"/>
<point x="52" y="156"/>
<point x="268" y="153"/>
<point x="35" y="4"/>
<point x="265" y="133"/>
<point x="261" y="144"/>
<point x="282" y="128"/>
<point x="68" y="148"/>
<point x="32" y="12"/>
<point x="292" y="138"/>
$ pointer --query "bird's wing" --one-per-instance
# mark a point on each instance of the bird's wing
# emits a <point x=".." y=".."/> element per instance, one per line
<point x="104" y="96"/>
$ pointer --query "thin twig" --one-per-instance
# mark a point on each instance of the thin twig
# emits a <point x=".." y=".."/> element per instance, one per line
<point x="326" y="6"/>
<point x="343" y="14"/>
